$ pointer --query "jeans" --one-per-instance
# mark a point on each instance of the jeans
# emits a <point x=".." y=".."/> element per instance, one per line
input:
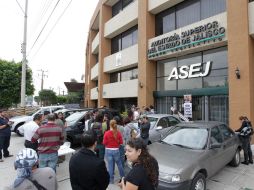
<point x="246" y="149"/>
<point x="112" y="157"/>
<point x="4" y="145"/>
<point x="48" y="160"/>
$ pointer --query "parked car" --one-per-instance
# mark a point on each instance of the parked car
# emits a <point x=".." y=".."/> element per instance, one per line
<point x="160" y="125"/>
<point x="75" y="127"/>
<point x="76" y="123"/>
<point x="20" y="120"/>
<point x="194" y="151"/>
<point x="68" y="112"/>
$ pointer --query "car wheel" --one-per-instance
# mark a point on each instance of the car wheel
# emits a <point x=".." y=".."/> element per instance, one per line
<point x="236" y="159"/>
<point x="199" y="182"/>
<point x="17" y="131"/>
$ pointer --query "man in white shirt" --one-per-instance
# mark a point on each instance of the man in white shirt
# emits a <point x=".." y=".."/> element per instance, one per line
<point x="28" y="129"/>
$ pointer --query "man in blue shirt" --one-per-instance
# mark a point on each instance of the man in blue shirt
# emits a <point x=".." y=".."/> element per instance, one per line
<point x="5" y="135"/>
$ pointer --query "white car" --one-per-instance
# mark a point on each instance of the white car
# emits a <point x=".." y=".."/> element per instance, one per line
<point x="20" y="120"/>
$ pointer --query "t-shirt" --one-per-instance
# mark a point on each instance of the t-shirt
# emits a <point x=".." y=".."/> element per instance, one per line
<point x="7" y="130"/>
<point x="44" y="176"/>
<point x="138" y="177"/>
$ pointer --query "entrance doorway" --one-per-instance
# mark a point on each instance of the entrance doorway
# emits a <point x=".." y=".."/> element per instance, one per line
<point x="208" y="108"/>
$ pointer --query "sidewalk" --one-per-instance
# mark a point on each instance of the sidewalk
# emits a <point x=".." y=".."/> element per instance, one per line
<point x="230" y="178"/>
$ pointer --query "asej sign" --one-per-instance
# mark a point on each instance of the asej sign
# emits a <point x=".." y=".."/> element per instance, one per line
<point x="208" y="33"/>
<point x="190" y="71"/>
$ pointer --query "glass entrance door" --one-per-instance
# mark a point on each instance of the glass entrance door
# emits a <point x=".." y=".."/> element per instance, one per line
<point x="198" y="111"/>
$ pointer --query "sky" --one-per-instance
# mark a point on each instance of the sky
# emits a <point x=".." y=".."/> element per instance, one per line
<point x="58" y="49"/>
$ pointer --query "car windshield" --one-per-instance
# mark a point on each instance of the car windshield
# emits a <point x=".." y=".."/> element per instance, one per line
<point x="74" y="117"/>
<point x="153" y="121"/>
<point x="188" y="137"/>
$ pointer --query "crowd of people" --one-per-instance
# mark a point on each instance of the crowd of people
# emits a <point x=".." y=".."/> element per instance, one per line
<point x="106" y="142"/>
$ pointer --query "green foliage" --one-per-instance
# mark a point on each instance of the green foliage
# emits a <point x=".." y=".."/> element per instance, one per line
<point x="47" y="97"/>
<point x="74" y="97"/>
<point x="61" y="99"/>
<point x="10" y="83"/>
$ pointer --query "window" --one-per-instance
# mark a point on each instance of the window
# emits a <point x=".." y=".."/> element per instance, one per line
<point x="191" y="83"/>
<point x="124" y="75"/>
<point x="173" y="121"/>
<point x="186" y="13"/>
<point x="226" y="132"/>
<point x="124" y="40"/>
<point x="217" y="77"/>
<point x="212" y="7"/>
<point x="216" y="136"/>
<point x="119" y="6"/>
<point x="163" y="122"/>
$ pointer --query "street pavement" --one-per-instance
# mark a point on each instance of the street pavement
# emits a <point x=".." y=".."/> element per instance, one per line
<point x="240" y="178"/>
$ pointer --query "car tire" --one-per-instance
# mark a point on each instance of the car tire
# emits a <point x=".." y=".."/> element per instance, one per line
<point x="236" y="159"/>
<point x="17" y="131"/>
<point x="199" y="182"/>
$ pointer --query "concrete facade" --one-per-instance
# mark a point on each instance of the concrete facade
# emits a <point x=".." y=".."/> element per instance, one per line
<point x="238" y="39"/>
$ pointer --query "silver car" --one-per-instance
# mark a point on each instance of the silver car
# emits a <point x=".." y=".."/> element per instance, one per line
<point x="160" y="125"/>
<point x="194" y="151"/>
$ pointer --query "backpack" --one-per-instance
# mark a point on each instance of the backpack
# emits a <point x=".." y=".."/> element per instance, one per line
<point x="97" y="130"/>
<point x="246" y="130"/>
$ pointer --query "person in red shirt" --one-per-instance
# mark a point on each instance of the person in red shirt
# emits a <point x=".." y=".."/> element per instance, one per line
<point x="112" y="141"/>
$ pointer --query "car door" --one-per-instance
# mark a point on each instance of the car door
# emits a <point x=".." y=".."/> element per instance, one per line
<point x="215" y="157"/>
<point x="228" y="143"/>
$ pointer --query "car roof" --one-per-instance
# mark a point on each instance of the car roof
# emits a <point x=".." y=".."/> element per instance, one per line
<point x="158" y="115"/>
<point x="200" y="124"/>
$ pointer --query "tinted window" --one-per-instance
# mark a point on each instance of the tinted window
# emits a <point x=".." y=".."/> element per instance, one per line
<point x="216" y="136"/>
<point x="187" y="13"/>
<point x="124" y="40"/>
<point x="119" y="6"/>
<point x="212" y="7"/>
<point x="192" y="82"/>
<point x="116" y="8"/>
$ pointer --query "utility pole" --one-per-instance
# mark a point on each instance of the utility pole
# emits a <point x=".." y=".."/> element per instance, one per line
<point x="42" y="77"/>
<point x="24" y="61"/>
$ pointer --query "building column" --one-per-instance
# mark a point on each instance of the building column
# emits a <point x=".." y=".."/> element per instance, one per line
<point x="241" y="56"/>
<point x="146" y="68"/>
<point x="104" y="51"/>
<point x="91" y="62"/>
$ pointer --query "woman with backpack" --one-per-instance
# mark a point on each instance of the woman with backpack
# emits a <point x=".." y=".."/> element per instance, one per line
<point x="112" y="141"/>
<point x="245" y="132"/>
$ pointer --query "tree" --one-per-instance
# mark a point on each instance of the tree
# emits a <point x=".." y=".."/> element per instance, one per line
<point x="61" y="99"/>
<point x="10" y="83"/>
<point x="47" y="97"/>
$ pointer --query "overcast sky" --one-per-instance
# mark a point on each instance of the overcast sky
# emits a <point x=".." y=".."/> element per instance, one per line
<point x="60" y="50"/>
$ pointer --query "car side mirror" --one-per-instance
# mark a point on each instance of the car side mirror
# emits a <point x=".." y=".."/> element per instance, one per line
<point x="158" y="128"/>
<point x="215" y="145"/>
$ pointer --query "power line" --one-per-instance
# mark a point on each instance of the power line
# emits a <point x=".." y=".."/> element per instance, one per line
<point x="44" y="26"/>
<point x="20" y="7"/>
<point x="42" y="13"/>
<point x="51" y="30"/>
